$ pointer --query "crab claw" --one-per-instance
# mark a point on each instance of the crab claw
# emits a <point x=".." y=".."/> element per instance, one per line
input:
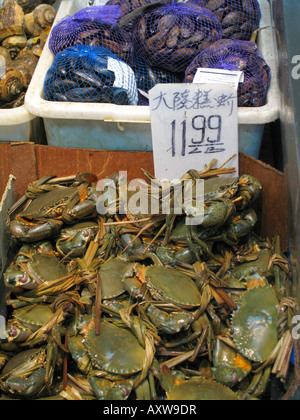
<point x="16" y="280"/>
<point x="29" y="232"/>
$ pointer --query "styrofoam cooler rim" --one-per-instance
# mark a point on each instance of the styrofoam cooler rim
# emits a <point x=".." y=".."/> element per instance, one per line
<point x="15" y="116"/>
<point x="20" y="115"/>
<point x="36" y="105"/>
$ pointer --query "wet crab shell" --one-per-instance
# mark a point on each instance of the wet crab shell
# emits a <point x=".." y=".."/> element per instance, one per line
<point x="201" y="390"/>
<point x="254" y="324"/>
<point x="73" y="240"/>
<point x="230" y="368"/>
<point x="50" y="204"/>
<point x="172" y="286"/>
<point x="111" y="278"/>
<point x="34" y="317"/>
<point x="27" y="320"/>
<point x="43" y="267"/>
<point x="13" y="376"/>
<point x="115" y="350"/>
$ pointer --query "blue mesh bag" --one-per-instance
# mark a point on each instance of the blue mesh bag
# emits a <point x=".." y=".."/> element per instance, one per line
<point x="239" y="18"/>
<point x="90" y="74"/>
<point x="147" y="77"/>
<point x="94" y="26"/>
<point x="240" y="56"/>
<point x="171" y="36"/>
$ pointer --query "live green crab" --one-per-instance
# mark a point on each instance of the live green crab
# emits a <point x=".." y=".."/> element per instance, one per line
<point x="28" y="374"/>
<point x="40" y="268"/>
<point x="52" y="204"/>
<point x="112" y="372"/>
<point x="173" y="297"/>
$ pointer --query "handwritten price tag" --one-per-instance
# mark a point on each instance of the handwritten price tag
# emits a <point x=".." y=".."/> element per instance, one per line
<point x="191" y="125"/>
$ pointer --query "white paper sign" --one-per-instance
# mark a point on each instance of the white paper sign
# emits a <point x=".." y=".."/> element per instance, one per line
<point x="207" y="75"/>
<point x="191" y="125"/>
<point x="96" y="2"/>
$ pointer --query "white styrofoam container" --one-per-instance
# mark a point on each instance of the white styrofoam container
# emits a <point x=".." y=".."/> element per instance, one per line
<point x="19" y="124"/>
<point x="113" y="127"/>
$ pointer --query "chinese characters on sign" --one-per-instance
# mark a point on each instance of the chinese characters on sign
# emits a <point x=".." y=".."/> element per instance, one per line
<point x="191" y="125"/>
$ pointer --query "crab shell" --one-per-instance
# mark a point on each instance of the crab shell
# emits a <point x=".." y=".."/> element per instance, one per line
<point x="199" y="389"/>
<point x="172" y="286"/>
<point x="254" y="324"/>
<point x="230" y="368"/>
<point x="111" y="278"/>
<point x="30" y="317"/>
<point x="13" y="375"/>
<point x="50" y="204"/>
<point x="41" y="268"/>
<point x="223" y="187"/>
<point x="115" y="350"/>
<point x="73" y="240"/>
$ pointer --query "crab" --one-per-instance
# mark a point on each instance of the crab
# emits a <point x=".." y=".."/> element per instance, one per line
<point x="112" y="371"/>
<point x="174" y="293"/>
<point x="44" y="215"/>
<point x="254" y="324"/>
<point x="113" y="293"/>
<point x="73" y="240"/>
<point x="27" y="374"/>
<point x="201" y="389"/>
<point x="229" y="367"/>
<point x="40" y="268"/>
<point x="26" y="320"/>
<point x="255" y="269"/>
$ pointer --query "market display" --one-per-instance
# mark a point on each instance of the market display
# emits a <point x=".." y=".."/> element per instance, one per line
<point x="22" y="37"/>
<point x="165" y="42"/>
<point x="106" y="303"/>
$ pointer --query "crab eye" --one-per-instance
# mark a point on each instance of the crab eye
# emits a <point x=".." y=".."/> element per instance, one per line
<point x="24" y="279"/>
<point x="86" y="233"/>
<point x="13" y="332"/>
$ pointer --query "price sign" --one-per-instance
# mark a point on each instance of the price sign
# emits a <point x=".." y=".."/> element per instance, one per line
<point x="191" y="125"/>
<point x="95" y="2"/>
<point x="206" y="75"/>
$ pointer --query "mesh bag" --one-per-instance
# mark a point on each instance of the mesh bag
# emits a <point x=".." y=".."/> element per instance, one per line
<point x="94" y="26"/>
<point x="90" y="74"/>
<point x="128" y="6"/>
<point x="147" y="77"/>
<point x="239" y="18"/>
<point x="170" y="36"/>
<point x="241" y="56"/>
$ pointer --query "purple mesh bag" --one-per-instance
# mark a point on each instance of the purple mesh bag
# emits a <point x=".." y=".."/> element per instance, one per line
<point x="147" y="77"/>
<point x="239" y="18"/>
<point x="128" y="6"/>
<point x="171" y="36"/>
<point x="93" y="26"/>
<point x="237" y="55"/>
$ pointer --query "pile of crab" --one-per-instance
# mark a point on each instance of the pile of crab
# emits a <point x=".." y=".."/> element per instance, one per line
<point x="142" y="306"/>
